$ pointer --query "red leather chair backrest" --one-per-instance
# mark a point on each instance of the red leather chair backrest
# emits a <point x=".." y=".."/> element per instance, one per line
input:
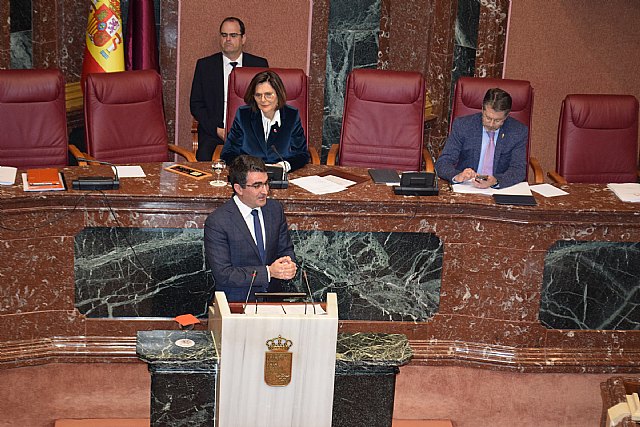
<point x="295" y="84"/>
<point x="469" y="93"/>
<point x="383" y="120"/>
<point x="34" y="121"/>
<point x="598" y="139"/>
<point x="124" y="117"/>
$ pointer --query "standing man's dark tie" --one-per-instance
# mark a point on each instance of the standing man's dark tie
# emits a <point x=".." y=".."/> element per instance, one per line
<point x="233" y="64"/>
<point x="258" y="230"/>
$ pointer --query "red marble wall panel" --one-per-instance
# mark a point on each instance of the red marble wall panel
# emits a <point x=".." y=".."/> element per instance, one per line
<point x="5" y="35"/>
<point x="492" y="273"/>
<point x="44" y="279"/>
<point x="492" y="32"/>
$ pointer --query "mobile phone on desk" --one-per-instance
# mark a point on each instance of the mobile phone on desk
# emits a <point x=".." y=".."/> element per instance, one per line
<point x="481" y="177"/>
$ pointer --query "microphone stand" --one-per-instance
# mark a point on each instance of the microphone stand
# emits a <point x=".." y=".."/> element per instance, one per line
<point x="284" y="183"/>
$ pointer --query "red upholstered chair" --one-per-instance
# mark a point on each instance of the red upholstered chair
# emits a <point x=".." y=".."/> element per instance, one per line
<point x="34" y="121"/>
<point x="124" y="119"/>
<point x="295" y="84"/>
<point x="597" y="139"/>
<point x="383" y="121"/>
<point x="467" y="99"/>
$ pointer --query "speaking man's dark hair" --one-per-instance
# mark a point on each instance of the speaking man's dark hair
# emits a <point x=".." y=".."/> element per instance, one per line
<point x="241" y="166"/>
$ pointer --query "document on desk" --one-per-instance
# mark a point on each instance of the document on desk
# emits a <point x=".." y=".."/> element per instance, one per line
<point x="130" y="171"/>
<point x="627" y="192"/>
<point x="322" y="184"/>
<point x="8" y="175"/>
<point x="548" y="190"/>
<point x="520" y="189"/>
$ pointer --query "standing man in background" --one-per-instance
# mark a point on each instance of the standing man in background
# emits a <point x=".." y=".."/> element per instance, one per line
<point x="210" y="85"/>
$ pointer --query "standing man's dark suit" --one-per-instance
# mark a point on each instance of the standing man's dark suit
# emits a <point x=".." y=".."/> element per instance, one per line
<point x="232" y="253"/>
<point x="207" y="99"/>
<point x="464" y="144"/>
<point x="247" y="137"/>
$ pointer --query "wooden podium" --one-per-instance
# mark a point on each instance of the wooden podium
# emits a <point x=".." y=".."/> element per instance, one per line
<point x="277" y="363"/>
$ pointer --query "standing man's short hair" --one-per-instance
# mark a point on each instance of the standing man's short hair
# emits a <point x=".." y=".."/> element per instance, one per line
<point x="233" y="19"/>
<point x="241" y="166"/>
<point x="497" y="99"/>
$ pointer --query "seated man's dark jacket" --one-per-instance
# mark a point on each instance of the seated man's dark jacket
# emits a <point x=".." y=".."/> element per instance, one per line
<point x="207" y="99"/>
<point x="464" y="144"/>
<point x="232" y="253"/>
<point x="247" y="137"/>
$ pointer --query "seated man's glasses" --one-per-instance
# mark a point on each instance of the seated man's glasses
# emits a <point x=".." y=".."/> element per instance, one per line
<point x="257" y="185"/>
<point x="232" y="35"/>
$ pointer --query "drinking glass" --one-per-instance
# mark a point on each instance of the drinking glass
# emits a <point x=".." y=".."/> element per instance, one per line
<point x="218" y="167"/>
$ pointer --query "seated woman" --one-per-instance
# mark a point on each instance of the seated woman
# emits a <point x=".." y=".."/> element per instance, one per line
<point x="266" y="127"/>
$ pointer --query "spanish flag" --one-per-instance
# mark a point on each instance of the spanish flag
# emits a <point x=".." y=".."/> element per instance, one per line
<point x="104" y="51"/>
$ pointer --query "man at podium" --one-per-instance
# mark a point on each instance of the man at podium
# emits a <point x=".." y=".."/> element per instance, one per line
<point x="246" y="240"/>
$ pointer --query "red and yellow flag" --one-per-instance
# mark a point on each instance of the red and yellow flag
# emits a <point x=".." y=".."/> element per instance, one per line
<point x="104" y="51"/>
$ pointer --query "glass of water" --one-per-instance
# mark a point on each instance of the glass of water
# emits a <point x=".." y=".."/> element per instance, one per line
<point x="218" y="167"/>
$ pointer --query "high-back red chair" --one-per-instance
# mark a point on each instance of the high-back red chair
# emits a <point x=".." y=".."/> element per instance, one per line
<point x="597" y="139"/>
<point x="34" y="120"/>
<point x="295" y="84"/>
<point x="469" y="93"/>
<point x="383" y="121"/>
<point x="124" y="118"/>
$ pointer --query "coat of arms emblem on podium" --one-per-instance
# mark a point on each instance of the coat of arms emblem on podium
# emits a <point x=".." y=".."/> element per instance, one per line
<point x="278" y="362"/>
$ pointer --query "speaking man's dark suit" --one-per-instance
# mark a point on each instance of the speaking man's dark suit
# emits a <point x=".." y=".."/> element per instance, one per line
<point x="464" y="144"/>
<point x="247" y="137"/>
<point x="207" y="99"/>
<point x="233" y="255"/>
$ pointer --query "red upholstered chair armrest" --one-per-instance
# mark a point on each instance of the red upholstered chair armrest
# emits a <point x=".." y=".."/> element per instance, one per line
<point x="315" y="158"/>
<point x="556" y="177"/>
<point x="75" y="152"/>
<point x="428" y="161"/>
<point x="538" y="174"/>
<point x="188" y="155"/>
<point x="217" y="152"/>
<point x="194" y="135"/>
<point x="333" y="153"/>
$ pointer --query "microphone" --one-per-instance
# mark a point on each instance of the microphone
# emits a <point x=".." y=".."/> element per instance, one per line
<point x="306" y="281"/>
<point x="246" y="301"/>
<point x="274" y="172"/>
<point x="96" y="182"/>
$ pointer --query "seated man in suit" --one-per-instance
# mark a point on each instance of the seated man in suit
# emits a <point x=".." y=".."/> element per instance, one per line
<point x="267" y="127"/>
<point x="210" y="85"/>
<point x="233" y="235"/>
<point x="488" y="148"/>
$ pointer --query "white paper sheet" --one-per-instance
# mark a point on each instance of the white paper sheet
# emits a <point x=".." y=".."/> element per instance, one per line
<point x="521" y="189"/>
<point x="8" y="175"/>
<point x="130" y="171"/>
<point x="548" y="190"/>
<point x="317" y="184"/>
<point x="627" y="192"/>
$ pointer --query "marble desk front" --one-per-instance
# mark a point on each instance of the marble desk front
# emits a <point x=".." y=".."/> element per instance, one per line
<point x="553" y="287"/>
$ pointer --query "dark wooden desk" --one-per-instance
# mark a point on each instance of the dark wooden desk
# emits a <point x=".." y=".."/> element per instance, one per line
<point x="468" y="282"/>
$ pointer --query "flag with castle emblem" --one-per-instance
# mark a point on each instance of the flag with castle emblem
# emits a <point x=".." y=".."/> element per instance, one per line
<point x="103" y="51"/>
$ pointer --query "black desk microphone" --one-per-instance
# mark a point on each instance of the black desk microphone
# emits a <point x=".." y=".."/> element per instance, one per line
<point x="96" y="182"/>
<point x="284" y="181"/>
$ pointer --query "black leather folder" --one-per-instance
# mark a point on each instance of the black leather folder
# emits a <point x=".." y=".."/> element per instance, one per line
<point x="512" y="199"/>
